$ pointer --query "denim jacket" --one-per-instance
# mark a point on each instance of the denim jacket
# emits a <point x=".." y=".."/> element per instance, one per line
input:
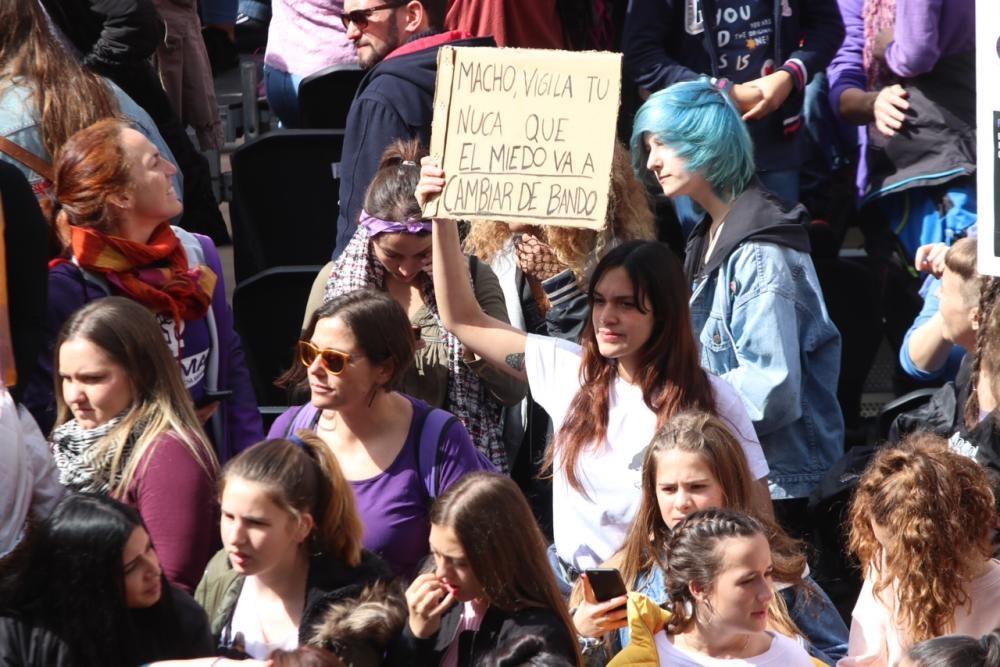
<point x="758" y="310"/>
<point x="19" y="122"/>
<point x="825" y="634"/>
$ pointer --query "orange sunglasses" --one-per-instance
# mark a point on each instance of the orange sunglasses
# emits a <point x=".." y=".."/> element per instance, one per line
<point x="333" y="361"/>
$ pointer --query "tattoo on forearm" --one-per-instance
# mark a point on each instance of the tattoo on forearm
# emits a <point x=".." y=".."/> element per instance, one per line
<point x="515" y="361"/>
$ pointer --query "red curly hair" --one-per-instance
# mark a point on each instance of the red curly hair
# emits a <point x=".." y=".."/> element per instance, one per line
<point x="937" y="508"/>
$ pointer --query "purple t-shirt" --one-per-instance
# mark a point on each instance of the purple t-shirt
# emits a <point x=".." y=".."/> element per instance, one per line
<point x="393" y="505"/>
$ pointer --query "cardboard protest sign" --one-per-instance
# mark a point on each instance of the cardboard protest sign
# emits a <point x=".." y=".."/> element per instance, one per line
<point x="525" y="135"/>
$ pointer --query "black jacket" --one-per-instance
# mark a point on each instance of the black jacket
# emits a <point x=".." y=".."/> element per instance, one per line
<point x="23" y="644"/>
<point x="498" y="630"/>
<point x="175" y="628"/>
<point x="394" y="101"/>
<point x="937" y="144"/>
<point x="755" y="214"/>
<point x="328" y="582"/>
<point x="660" y="50"/>
<point x="109" y="33"/>
<point x="26" y="241"/>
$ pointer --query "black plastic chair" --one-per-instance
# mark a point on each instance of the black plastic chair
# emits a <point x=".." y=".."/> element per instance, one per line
<point x="853" y="303"/>
<point x="325" y="96"/>
<point x="905" y="403"/>
<point x="285" y="200"/>
<point x="267" y="311"/>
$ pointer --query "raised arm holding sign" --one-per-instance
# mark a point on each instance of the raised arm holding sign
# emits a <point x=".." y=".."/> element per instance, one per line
<point x="525" y="135"/>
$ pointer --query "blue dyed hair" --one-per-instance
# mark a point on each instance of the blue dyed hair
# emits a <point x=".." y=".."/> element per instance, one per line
<point x="702" y="126"/>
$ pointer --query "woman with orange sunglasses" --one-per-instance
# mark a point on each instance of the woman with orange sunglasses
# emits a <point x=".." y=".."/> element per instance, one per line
<point x="395" y="450"/>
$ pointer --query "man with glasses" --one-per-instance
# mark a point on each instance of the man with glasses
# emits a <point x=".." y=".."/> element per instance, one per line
<point x="397" y="42"/>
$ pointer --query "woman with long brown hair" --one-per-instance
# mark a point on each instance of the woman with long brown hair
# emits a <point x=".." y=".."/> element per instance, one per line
<point x="695" y="463"/>
<point x="46" y="96"/>
<point x="126" y="427"/>
<point x="490" y="580"/>
<point x="547" y="268"/>
<point x="636" y="368"/>
<point x="921" y="525"/>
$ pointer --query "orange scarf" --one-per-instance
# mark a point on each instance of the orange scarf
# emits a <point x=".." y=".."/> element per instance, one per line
<point x="155" y="273"/>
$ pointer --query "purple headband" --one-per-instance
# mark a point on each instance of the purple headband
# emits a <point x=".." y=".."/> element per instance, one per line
<point x="376" y="226"/>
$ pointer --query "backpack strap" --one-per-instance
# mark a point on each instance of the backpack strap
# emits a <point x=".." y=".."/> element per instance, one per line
<point x="27" y="158"/>
<point x="435" y="426"/>
<point x="305" y="417"/>
<point x="474" y="265"/>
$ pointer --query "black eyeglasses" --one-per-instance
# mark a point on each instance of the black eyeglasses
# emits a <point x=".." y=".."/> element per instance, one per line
<point x="359" y="17"/>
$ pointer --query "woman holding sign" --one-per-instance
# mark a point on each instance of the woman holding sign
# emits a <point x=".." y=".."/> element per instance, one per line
<point x="637" y="367"/>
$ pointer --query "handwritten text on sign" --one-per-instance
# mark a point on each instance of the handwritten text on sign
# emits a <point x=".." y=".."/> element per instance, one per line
<point x="525" y="135"/>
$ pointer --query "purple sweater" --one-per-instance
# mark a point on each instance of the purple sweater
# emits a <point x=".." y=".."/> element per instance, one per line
<point x="923" y="35"/>
<point x="393" y="505"/>
<point x="175" y="496"/>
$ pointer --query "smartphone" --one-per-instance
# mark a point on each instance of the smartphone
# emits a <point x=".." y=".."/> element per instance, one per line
<point x="606" y="582"/>
<point x="212" y="396"/>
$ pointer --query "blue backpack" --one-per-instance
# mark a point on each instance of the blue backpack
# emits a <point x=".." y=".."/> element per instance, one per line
<point x="434" y="427"/>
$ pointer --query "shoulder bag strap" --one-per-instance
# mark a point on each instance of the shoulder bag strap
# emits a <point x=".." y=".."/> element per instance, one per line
<point x="27" y="158"/>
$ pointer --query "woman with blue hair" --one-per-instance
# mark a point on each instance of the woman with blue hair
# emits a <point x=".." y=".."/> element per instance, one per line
<point x="756" y="302"/>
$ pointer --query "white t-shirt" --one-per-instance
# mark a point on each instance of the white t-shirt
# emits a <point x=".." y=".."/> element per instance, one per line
<point x="784" y="652"/>
<point x="246" y="621"/>
<point x="590" y="528"/>
<point x="875" y="640"/>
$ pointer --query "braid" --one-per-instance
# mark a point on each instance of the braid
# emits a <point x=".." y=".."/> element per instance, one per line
<point x="987" y="299"/>
<point x="692" y="556"/>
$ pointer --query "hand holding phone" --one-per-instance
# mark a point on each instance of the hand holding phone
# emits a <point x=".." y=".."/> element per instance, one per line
<point x="604" y="603"/>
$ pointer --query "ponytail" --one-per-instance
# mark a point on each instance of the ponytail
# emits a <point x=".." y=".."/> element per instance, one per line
<point x="957" y="651"/>
<point x="390" y="195"/>
<point x="987" y="340"/>
<point x="338" y="526"/>
<point x="303" y="477"/>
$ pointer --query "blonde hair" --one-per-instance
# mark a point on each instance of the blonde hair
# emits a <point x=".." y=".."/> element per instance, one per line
<point x="629" y="218"/>
<point x="129" y="334"/>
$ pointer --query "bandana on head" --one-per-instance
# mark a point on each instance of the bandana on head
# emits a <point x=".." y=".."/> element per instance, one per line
<point x="469" y="398"/>
<point x="155" y="273"/>
<point x="376" y="226"/>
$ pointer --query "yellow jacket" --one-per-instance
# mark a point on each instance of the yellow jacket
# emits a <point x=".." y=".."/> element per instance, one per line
<point x="645" y="619"/>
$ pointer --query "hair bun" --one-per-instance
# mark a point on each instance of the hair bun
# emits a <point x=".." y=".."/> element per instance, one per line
<point x="990" y="644"/>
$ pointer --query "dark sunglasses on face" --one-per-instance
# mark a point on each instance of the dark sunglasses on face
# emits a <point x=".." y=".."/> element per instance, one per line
<point x="359" y="17"/>
<point x="333" y="361"/>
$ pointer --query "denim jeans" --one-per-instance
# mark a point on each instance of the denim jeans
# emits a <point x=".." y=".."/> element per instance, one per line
<point x="282" y="89"/>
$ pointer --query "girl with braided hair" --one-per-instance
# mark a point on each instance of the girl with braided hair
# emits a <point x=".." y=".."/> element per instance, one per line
<point x="981" y="396"/>
<point x="719" y="578"/>
<point x="955" y="651"/>
<point x="920" y="525"/>
<point x="694" y="464"/>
